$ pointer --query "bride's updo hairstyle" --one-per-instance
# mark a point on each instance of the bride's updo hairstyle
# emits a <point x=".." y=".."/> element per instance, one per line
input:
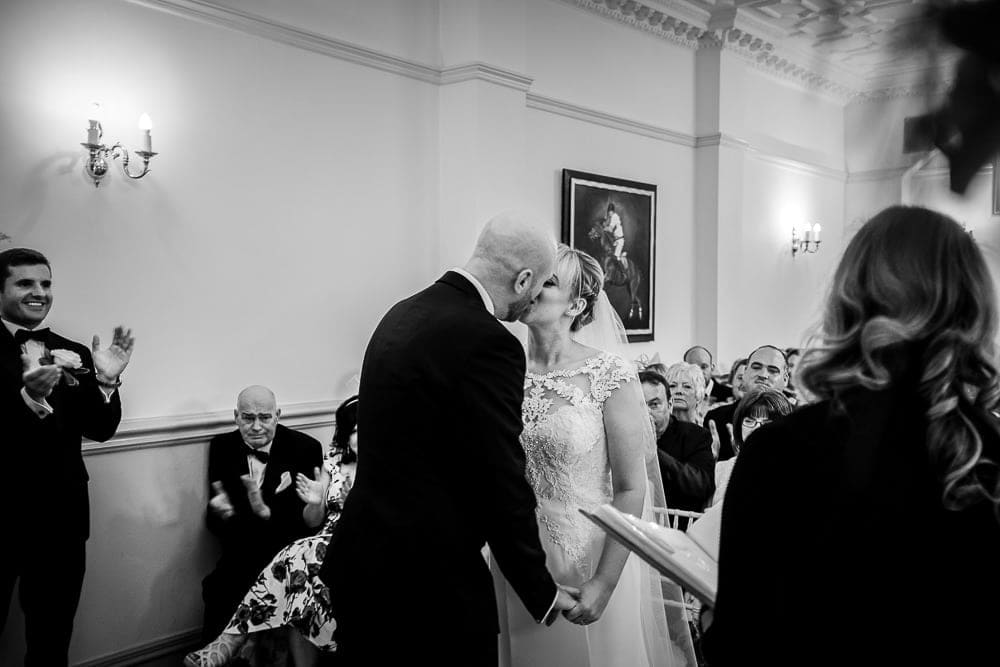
<point x="585" y="279"/>
<point x="912" y="304"/>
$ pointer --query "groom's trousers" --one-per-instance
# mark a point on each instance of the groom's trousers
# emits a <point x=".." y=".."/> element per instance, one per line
<point x="49" y="574"/>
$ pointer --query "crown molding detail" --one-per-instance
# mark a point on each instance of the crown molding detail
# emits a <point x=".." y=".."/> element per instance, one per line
<point x="744" y="33"/>
<point x="189" y="429"/>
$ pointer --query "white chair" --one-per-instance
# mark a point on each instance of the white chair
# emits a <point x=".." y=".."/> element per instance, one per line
<point x="671" y="518"/>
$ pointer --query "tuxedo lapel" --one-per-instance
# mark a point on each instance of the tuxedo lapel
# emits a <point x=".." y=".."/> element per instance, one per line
<point x="10" y="353"/>
<point x="275" y="466"/>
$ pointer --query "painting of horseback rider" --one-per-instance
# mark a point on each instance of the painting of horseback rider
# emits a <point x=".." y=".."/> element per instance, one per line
<point x="614" y="221"/>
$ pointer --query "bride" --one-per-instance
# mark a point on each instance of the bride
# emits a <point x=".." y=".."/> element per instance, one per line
<point x="587" y="441"/>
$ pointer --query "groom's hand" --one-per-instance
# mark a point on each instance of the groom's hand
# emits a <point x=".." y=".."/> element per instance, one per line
<point x="565" y="601"/>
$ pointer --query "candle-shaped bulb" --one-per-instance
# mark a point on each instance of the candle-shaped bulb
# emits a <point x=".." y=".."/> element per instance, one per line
<point x="809" y="233"/>
<point x="816" y="230"/>
<point x="94" y="120"/>
<point x="146" y="124"/>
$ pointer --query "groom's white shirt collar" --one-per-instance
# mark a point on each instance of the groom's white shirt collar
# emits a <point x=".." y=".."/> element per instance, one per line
<point x="487" y="301"/>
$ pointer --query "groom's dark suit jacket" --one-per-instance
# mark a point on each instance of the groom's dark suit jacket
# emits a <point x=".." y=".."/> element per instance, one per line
<point x="48" y="450"/>
<point x="440" y="473"/>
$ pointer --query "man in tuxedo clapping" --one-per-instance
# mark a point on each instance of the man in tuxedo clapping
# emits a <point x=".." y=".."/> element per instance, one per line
<point x="53" y="392"/>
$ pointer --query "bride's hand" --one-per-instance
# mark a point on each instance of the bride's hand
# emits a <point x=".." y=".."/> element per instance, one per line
<point x="594" y="596"/>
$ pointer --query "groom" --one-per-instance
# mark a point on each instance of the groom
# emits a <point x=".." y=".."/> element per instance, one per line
<point x="441" y="470"/>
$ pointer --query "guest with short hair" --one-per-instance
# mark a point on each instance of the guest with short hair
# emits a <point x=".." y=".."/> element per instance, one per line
<point x="887" y="488"/>
<point x="253" y="508"/>
<point x="53" y="393"/>
<point x="758" y="407"/>
<point x="288" y="593"/>
<point x="766" y="368"/>
<point x="702" y="358"/>
<point x="684" y="449"/>
<point x="736" y="378"/>
<point x="686" y="384"/>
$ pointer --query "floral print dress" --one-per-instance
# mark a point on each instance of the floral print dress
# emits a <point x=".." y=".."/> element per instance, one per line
<point x="289" y="592"/>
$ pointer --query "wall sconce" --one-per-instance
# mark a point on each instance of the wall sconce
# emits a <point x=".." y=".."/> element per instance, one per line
<point x="807" y="242"/>
<point x="97" y="166"/>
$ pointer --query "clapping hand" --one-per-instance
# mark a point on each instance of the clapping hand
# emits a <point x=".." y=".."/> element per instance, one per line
<point x="592" y="600"/>
<point x="110" y="363"/>
<point x="565" y="601"/>
<point x="39" y="381"/>
<point x="716" y="443"/>
<point x="257" y="503"/>
<point x="310" y="491"/>
<point x="220" y="501"/>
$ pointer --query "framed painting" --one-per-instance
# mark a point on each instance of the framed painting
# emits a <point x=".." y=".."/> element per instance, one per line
<point x="614" y="221"/>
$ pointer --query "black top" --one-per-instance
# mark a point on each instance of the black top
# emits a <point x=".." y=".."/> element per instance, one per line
<point x="687" y="466"/>
<point x="50" y="448"/>
<point x="720" y="392"/>
<point x="723" y="415"/>
<point x="836" y="548"/>
<point x="440" y="473"/>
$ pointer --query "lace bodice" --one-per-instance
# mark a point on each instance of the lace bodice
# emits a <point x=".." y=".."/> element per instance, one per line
<point x="566" y="446"/>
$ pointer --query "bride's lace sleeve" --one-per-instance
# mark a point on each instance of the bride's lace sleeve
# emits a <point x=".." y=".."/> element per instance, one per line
<point x="612" y="374"/>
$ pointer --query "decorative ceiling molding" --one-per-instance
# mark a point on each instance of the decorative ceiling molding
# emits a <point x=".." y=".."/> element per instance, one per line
<point x="836" y="48"/>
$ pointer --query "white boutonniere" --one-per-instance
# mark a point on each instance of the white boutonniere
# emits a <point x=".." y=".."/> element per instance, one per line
<point x="70" y="363"/>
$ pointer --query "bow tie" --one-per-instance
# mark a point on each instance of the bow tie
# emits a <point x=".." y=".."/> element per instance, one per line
<point x="21" y="336"/>
<point x="258" y="454"/>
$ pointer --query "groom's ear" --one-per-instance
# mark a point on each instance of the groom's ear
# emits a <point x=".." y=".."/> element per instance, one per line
<point x="522" y="282"/>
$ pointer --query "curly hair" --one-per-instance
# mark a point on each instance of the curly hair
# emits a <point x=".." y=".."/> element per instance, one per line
<point x="345" y="423"/>
<point x="912" y="303"/>
<point x="585" y="278"/>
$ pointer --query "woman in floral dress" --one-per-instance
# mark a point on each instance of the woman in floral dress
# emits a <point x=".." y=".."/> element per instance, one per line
<point x="289" y="592"/>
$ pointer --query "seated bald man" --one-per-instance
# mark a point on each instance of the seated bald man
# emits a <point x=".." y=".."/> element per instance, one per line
<point x="253" y="509"/>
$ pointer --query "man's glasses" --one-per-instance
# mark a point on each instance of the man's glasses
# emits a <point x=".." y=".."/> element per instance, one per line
<point x="248" y="418"/>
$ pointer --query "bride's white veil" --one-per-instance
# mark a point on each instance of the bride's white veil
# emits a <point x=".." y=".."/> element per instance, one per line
<point x="665" y="628"/>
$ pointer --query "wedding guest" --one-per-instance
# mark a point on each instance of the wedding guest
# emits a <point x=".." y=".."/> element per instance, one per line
<point x="53" y="393"/>
<point x="702" y="358"/>
<point x="792" y="354"/>
<point x="736" y="378"/>
<point x="869" y="519"/>
<point x="684" y="449"/>
<point x="686" y="384"/>
<point x="766" y="367"/>
<point x="758" y="407"/>
<point x="254" y="509"/>
<point x="288" y="593"/>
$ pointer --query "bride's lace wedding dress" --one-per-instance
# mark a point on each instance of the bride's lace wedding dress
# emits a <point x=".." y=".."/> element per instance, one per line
<point x="566" y="449"/>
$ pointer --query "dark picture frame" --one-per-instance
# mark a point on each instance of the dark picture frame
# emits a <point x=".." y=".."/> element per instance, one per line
<point x="614" y="220"/>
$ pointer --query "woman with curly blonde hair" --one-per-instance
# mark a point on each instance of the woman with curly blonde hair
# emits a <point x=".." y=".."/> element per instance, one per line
<point x="885" y="544"/>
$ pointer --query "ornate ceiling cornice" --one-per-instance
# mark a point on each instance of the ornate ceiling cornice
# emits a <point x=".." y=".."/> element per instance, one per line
<point x="764" y="41"/>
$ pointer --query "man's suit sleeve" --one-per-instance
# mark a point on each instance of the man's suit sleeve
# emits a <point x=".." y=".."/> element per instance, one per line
<point x="215" y="474"/>
<point x="286" y="507"/>
<point x="693" y="473"/>
<point x="493" y="389"/>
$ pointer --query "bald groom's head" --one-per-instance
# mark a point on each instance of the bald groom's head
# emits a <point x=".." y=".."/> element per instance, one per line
<point x="513" y="257"/>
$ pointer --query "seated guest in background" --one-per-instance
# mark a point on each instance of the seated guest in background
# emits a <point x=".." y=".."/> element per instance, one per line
<point x="766" y="368"/>
<point x="687" y="392"/>
<point x="684" y="449"/>
<point x="53" y="393"/>
<point x="792" y="354"/>
<point x="885" y="489"/>
<point x="758" y="407"/>
<point x="736" y="378"/>
<point x="714" y="392"/>
<point x="254" y="509"/>
<point x="288" y="592"/>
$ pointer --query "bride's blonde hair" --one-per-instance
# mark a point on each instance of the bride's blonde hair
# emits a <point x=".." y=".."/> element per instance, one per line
<point x="585" y="278"/>
<point x="912" y="302"/>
